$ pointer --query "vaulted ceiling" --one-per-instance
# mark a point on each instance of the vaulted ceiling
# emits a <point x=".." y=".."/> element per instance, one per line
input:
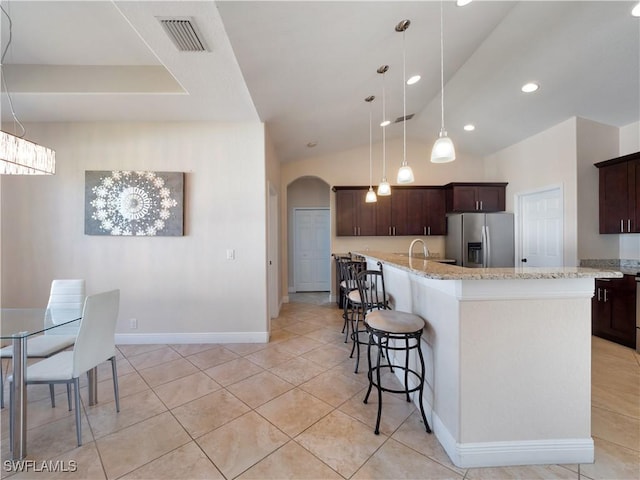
<point x="305" y="67"/>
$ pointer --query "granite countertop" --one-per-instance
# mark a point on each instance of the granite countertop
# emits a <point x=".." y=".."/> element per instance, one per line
<point x="441" y="271"/>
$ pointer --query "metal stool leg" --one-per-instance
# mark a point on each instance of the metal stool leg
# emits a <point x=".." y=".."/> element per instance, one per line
<point x="424" y="417"/>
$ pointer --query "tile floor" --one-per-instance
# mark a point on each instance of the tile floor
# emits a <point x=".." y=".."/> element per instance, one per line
<point x="288" y="409"/>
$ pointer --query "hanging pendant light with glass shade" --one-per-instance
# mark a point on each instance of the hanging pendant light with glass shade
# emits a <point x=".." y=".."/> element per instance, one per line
<point x="443" y="150"/>
<point x="405" y="173"/>
<point x="384" y="189"/>
<point x="371" y="194"/>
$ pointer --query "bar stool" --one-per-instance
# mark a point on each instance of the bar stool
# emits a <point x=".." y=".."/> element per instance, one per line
<point x="370" y="296"/>
<point x="399" y="331"/>
<point x="351" y="301"/>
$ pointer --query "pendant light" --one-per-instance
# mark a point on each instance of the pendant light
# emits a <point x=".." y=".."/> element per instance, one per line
<point x="384" y="189"/>
<point x="443" y="150"/>
<point x="405" y="173"/>
<point x="371" y="194"/>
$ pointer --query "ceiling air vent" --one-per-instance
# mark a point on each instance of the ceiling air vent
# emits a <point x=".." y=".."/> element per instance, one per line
<point x="184" y="34"/>
<point x="404" y="119"/>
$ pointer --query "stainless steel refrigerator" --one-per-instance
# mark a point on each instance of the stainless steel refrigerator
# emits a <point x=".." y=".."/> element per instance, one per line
<point x="480" y="239"/>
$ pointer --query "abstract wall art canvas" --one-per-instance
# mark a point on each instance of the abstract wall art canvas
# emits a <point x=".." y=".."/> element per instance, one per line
<point x="133" y="203"/>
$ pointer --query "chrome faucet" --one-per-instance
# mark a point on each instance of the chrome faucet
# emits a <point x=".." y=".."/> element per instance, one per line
<point x="425" y="251"/>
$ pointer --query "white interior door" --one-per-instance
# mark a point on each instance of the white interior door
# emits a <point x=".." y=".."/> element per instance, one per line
<point x="312" y="259"/>
<point x="541" y="220"/>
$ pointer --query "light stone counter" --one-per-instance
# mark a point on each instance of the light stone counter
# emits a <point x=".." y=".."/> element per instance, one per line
<point x="508" y="354"/>
<point x="442" y="271"/>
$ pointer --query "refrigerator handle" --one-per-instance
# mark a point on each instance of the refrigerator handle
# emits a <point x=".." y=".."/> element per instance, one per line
<point x="485" y="246"/>
<point x="487" y="237"/>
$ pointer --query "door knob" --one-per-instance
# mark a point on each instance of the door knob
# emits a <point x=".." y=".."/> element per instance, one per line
<point x="523" y="260"/>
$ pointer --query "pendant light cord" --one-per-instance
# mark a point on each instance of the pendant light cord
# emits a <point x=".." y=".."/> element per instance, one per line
<point x="441" y="70"/>
<point x="404" y="99"/>
<point x="4" y="80"/>
<point x="384" y="129"/>
<point x="370" y="146"/>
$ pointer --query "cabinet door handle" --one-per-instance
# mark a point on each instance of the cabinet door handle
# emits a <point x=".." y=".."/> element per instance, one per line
<point x="598" y="289"/>
<point x="481" y="205"/>
<point x="358" y="231"/>
<point x="605" y="295"/>
<point x="355" y="231"/>
<point x="621" y="226"/>
<point x="476" y="205"/>
<point x="628" y="225"/>
<point x="394" y="231"/>
<point x="389" y="230"/>
<point x="424" y="229"/>
<point x="428" y="230"/>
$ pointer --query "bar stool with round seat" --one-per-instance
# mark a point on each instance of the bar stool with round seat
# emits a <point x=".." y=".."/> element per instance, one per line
<point x="396" y="331"/>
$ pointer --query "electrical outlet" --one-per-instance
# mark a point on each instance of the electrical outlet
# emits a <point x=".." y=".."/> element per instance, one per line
<point x="231" y="254"/>
<point x="133" y="323"/>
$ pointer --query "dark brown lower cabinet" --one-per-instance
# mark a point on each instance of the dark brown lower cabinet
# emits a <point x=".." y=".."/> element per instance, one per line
<point x="613" y="310"/>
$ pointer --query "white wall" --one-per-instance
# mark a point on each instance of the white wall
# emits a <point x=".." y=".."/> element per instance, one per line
<point x="548" y="158"/>
<point x="172" y="285"/>
<point x="595" y="143"/>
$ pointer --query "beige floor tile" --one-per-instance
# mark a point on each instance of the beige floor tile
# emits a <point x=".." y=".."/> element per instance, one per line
<point x="412" y="433"/>
<point x="612" y="462"/>
<point x="290" y="462"/>
<point x="133" y="409"/>
<point x="192" y="348"/>
<point x="233" y="371"/>
<point x="238" y="445"/>
<point x="280" y="335"/>
<point x="153" y="358"/>
<point x="127" y="385"/>
<point x="55" y="438"/>
<point x="270" y="356"/>
<point x="526" y="472"/>
<point x="245" y="348"/>
<point x="395" y="410"/>
<point x="80" y="463"/>
<point x="300" y="345"/>
<point x="618" y="393"/>
<point x="259" y="389"/>
<point x="333" y="387"/>
<point x="615" y="428"/>
<point x="167" y="372"/>
<point x="40" y="412"/>
<point x="212" y="357"/>
<point x="294" y="411"/>
<point x="186" y="462"/>
<point x="328" y="356"/>
<point x="132" y="350"/>
<point x="302" y="328"/>
<point x="185" y="389"/>
<point x="397" y="461"/>
<point x="137" y="445"/>
<point x="347" y="368"/>
<point x="209" y="412"/>
<point x="297" y="370"/>
<point x="341" y="442"/>
<point x="327" y="335"/>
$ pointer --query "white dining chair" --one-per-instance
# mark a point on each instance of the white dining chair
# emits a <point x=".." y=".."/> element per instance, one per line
<point x="94" y="344"/>
<point x="66" y="295"/>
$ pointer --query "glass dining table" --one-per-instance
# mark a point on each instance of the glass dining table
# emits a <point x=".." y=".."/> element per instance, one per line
<point x="18" y="326"/>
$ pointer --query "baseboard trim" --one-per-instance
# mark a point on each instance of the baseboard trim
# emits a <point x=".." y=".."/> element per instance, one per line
<point x="524" y="452"/>
<point x="184" y="338"/>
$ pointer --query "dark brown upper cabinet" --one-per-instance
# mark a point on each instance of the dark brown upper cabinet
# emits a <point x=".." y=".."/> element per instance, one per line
<point x="619" y="194"/>
<point x="475" y="197"/>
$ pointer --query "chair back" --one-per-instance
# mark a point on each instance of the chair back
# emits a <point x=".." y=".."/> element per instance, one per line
<point x="96" y="337"/>
<point x="66" y="301"/>
<point x="350" y="270"/>
<point x="373" y="295"/>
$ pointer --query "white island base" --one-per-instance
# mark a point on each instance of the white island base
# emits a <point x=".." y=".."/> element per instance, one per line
<point x="508" y="364"/>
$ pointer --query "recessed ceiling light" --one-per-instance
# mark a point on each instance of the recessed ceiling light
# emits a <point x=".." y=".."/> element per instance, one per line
<point x="636" y="10"/>
<point x="469" y="127"/>
<point x="414" y="79"/>
<point x="530" y="87"/>
<point x="385" y="123"/>
<point x="462" y="3"/>
<point x="311" y="144"/>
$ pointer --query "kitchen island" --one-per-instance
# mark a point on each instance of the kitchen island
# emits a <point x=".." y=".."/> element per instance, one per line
<point x="508" y="353"/>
